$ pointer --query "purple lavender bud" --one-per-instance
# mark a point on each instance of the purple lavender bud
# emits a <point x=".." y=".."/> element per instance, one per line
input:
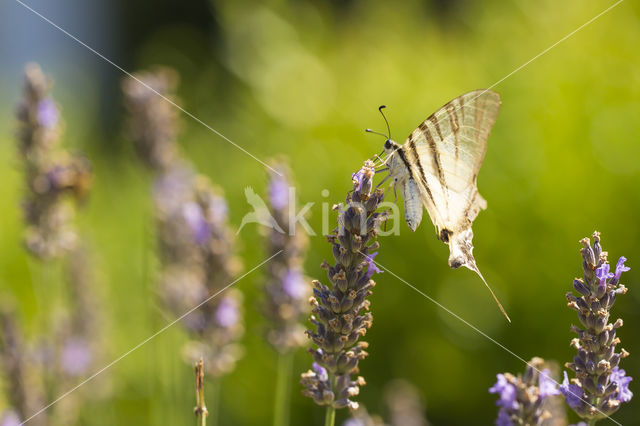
<point x="227" y="314"/>
<point x="580" y="287"/>
<point x="76" y="357"/>
<point x="320" y="371"/>
<point x="47" y="113"/>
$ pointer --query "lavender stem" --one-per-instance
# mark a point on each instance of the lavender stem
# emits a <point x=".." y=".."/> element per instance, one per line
<point x="201" y="409"/>
<point x="330" y="416"/>
<point x="283" y="389"/>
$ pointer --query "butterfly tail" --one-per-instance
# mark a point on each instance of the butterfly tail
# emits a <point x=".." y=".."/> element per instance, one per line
<point x="475" y="269"/>
<point x="461" y="249"/>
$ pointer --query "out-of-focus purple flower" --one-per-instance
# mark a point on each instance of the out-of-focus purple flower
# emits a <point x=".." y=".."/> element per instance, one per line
<point x="200" y="228"/>
<point x="507" y="392"/>
<point x="525" y="399"/>
<point x="294" y="284"/>
<point x="619" y="377"/>
<point x="227" y="313"/>
<point x="47" y="113"/>
<point x="218" y="209"/>
<point x="354" y="422"/>
<point x="279" y="192"/>
<point x="10" y="418"/>
<point x="372" y="268"/>
<point x="286" y="288"/>
<point x="76" y="357"/>
<point x="572" y="393"/>
<point x="503" y="419"/>
<point x="547" y="385"/>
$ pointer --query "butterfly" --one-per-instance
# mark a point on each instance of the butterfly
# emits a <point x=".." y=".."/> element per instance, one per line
<point x="437" y="167"/>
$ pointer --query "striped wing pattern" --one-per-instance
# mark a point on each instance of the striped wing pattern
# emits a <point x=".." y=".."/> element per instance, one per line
<point x="446" y="152"/>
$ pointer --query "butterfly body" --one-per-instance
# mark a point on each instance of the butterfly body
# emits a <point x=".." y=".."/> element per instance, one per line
<point x="437" y="167"/>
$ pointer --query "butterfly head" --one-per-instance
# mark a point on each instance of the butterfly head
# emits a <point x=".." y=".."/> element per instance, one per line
<point x="390" y="146"/>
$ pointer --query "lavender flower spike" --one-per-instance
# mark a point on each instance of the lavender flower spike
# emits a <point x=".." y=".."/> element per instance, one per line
<point x="523" y="398"/>
<point x="339" y="311"/>
<point x="600" y="386"/>
<point x="287" y="290"/>
<point x="52" y="176"/>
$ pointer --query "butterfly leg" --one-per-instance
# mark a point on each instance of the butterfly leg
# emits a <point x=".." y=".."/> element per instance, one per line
<point x="383" y="180"/>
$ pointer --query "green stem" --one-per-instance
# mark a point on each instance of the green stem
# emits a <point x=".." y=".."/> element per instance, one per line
<point x="330" y="417"/>
<point x="283" y="389"/>
<point x="592" y="422"/>
<point x="214" y="400"/>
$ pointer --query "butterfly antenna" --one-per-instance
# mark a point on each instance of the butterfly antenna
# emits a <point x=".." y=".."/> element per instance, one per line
<point x="385" y="120"/>
<point x="474" y="268"/>
<point x="376" y="133"/>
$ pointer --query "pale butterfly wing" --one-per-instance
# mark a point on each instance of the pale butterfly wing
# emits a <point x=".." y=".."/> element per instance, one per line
<point x="448" y="149"/>
<point x="445" y="154"/>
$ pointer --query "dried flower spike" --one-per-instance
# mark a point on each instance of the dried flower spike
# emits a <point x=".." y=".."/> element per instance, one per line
<point x="340" y="310"/>
<point x="600" y="385"/>
<point x="153" y="124"/>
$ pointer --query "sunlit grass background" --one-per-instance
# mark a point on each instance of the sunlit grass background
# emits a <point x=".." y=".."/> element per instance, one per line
<point x="304" y="78"/>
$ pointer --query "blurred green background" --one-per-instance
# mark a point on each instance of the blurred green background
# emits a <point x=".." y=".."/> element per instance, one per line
<point x="304" y="78"/>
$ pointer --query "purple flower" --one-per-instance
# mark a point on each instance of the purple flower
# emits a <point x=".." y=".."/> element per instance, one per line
<point x="503" y="419"/>
<point x="603" y="273"/>
<point x="279" y="192"/>
<point x="547" y="385"/>
<point x="507" y="392"/>
<point x="320" y="371"/>
<point x="372" y="268"/>
<point x="293" y="284"/>
<point x="76" y="357"/>
<point x="620" y="268"/>
<point x="619" y="377"/>
<point x="357" y="178"/>
<point x="200" y="229"/>
<point x="10" y="418"/>
<point x="227" y="314"/>
<point x="572" y="393"/>
<point x="47" y="113"/>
